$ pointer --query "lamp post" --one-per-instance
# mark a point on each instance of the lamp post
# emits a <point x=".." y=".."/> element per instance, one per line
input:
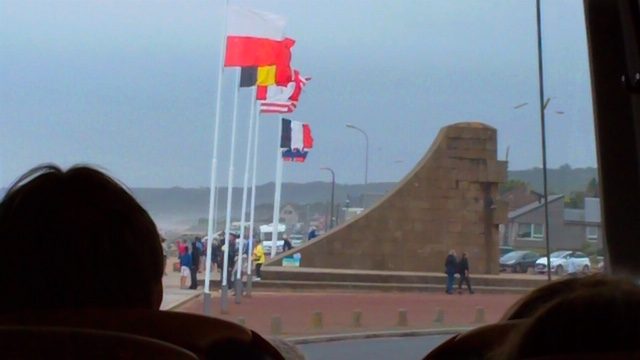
<point x="333" y="189"/>
<point x="543" y="106"/>
<point x="366" y="153"/>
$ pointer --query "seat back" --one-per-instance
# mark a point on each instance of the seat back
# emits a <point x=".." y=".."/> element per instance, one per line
<point x="31" y="343"/>
<point x="207" y="337"/>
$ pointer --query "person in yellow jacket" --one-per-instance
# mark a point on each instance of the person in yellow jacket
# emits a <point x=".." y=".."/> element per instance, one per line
<point x="258" y="258"/>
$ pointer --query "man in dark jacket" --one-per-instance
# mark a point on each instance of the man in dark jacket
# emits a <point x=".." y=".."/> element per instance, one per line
<point x="450" y="268"/>
<point x="463" y="270"/>
<point x="286" y="246"/>
<point x="195" y="264"/>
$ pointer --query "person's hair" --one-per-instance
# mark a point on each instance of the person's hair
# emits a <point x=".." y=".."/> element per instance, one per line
<point x="528" y="305"/>
<point x="84" y="241"/>
<point x="590" y="320"/>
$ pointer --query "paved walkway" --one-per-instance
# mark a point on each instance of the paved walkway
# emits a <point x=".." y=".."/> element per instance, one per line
<point x="379" y="310"/>
<point x="173" y="295"/>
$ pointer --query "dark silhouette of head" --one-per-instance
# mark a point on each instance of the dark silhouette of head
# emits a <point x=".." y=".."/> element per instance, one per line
<point x="530" y="304"/>
<point x="84" y="242"/>
<point x="592" y="320"/>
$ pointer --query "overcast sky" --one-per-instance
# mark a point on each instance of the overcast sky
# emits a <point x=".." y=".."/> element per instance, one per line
<point x="131" y="85"/>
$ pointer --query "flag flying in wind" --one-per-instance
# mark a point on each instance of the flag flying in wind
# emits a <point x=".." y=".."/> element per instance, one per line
<point x="296" y="140"/>
<point x="261" y="76"/>
<point x="281" y="99"/>
<point x="255" y="39"/>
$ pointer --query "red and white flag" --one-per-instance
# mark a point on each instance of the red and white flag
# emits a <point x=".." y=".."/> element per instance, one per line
<point x="256" y="39"/>
<point x="281" y="99"/>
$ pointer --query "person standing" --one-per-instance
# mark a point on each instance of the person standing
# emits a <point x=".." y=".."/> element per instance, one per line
<point x="463" y="270"/>
<point x="450" y="268"/>
<point x="185" y="269"/>
<point x="201" y="252"/>
<point x="313" y="233"/>
<point x="165" y="250"/>
<point x="182" y="247"/>
<point x="286" y="245"/>
<point x="258" y="258"/>
<point x="195" y="264"/>
<point x="233" y="252"/>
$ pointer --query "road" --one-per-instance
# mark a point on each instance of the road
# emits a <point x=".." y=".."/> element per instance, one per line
<point x="383" y="348"/>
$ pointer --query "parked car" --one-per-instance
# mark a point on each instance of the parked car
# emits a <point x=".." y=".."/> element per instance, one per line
<point x="562" y="260"/>
<point x="519" y="261"/>
<point x="504" y="250"/>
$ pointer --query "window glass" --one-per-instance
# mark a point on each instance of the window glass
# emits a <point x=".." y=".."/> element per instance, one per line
<point x="524" y="231"/>
<point x="537" y="231"/>
<point x="132" y="86"/>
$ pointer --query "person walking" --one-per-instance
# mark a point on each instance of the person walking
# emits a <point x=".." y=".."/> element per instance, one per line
<point x="450" y="268"/>
<point x="258" y="258"/>
<point x="463" y="270"/>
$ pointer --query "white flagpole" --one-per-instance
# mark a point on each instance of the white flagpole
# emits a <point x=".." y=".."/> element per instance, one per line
<point x="276" y="199"/>
<point x="227" y="225"/>
<point x="245" y="186"/>
<point x="253" y="203"/>
<point x="214" y="164"/>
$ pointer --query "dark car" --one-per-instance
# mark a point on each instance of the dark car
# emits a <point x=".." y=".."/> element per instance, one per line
<point x="518" y="261"/>
<point x="504" y="250"/>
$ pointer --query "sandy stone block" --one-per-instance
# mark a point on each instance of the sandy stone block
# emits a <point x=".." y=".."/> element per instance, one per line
<point x="454" y="226"/>
<point x="454" y="132"/>
<point x="497" y="171"/>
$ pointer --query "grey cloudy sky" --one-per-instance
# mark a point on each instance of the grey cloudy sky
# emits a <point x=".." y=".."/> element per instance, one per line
<point x="131" y="85"/>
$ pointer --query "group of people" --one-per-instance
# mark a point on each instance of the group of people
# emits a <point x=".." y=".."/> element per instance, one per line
<point x="453" y="266"/>
<point x="192" y="257"/>
<point x="92" y="246"/>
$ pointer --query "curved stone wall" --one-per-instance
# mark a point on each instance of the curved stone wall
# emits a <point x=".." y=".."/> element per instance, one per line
<point x="448" y="201"/>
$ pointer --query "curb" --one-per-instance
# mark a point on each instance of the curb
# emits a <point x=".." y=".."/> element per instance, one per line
<point x="374" y="335"/>
<point x="177" y="304"/>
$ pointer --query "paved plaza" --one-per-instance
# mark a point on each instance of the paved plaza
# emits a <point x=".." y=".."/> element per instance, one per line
<point x="379" y="309"/>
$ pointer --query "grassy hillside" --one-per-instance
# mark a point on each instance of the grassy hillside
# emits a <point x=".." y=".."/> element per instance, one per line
<point x="563" y="180"/>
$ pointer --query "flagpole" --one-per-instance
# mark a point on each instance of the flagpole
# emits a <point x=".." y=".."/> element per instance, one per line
<point x="245" y="185"/>
<point x="227" y="224"/>
<point x="278" y="189"/>
<point x="253" y="203"/>
<point x="208" y="308"/>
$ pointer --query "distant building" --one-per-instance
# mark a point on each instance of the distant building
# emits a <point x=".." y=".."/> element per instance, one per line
<point x="289" y="214"/>
<point x="571" y="229"/>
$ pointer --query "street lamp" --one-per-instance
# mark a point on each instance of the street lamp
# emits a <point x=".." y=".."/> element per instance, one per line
<point x="543" y="105"/>
<point x="366" y="153"/>
<point x="333" y="189"/>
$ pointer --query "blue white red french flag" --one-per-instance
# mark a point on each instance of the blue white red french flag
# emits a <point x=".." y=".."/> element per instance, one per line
<point x="295" y="135"/>
<point x="294" y="155"/>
